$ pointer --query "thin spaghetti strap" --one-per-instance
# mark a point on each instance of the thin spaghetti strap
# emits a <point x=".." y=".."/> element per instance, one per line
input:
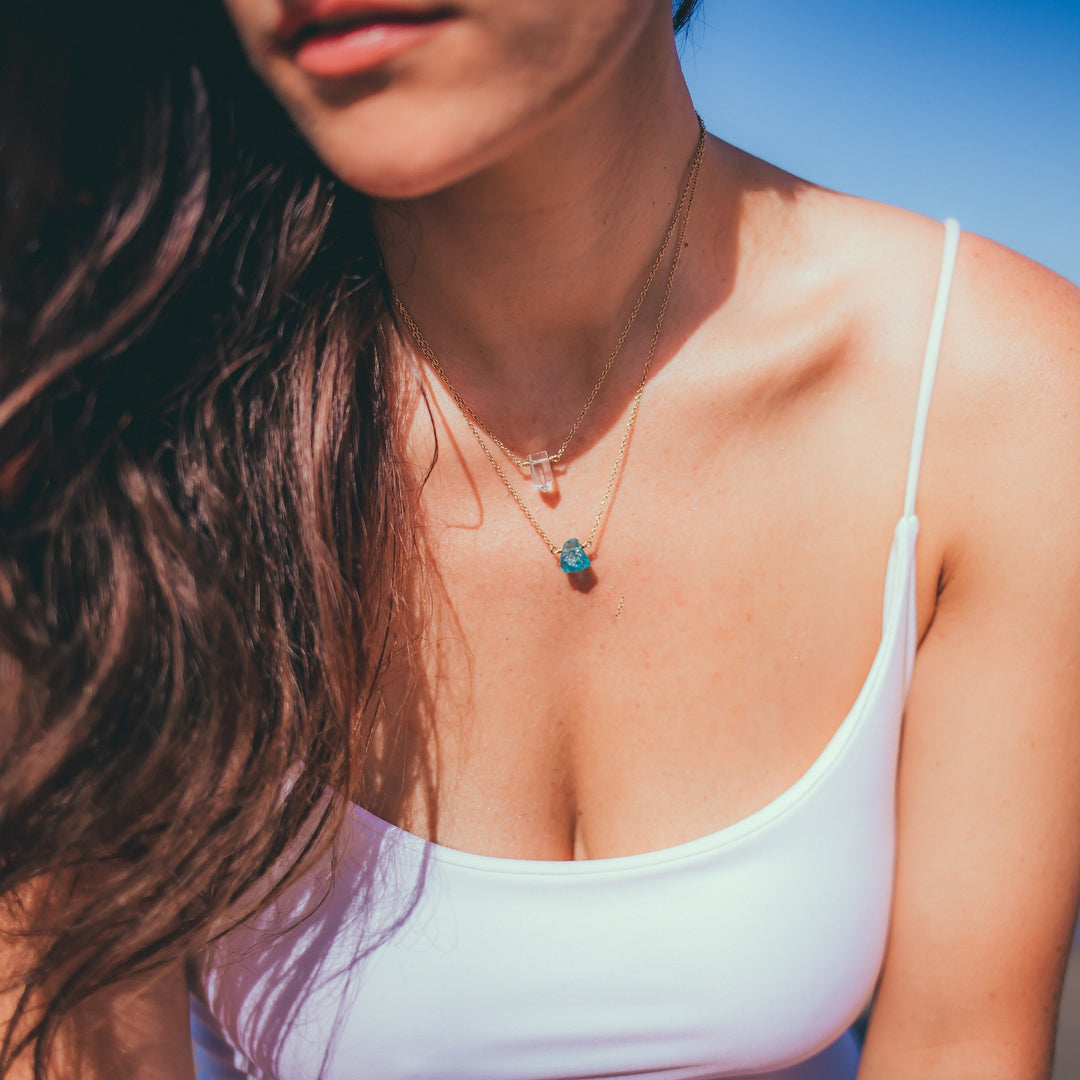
<point x="930" y="359"/>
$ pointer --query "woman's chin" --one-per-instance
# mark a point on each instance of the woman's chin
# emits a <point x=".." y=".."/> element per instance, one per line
<point x="393" y="173"/>
<point x="395" y="184"/>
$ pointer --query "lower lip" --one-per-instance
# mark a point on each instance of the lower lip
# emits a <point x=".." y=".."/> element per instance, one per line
<point x="354" y="51"/>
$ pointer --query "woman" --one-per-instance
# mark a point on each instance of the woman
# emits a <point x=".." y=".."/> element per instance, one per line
<point x="443" y="575"/>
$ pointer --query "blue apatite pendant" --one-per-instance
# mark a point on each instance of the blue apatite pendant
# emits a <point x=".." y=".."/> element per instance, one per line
<point x="572" y="557"/>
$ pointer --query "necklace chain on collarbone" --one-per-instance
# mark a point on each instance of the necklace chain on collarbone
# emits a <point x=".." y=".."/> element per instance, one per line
<point x="572" y="555"/>
<point x="539" y="464"/>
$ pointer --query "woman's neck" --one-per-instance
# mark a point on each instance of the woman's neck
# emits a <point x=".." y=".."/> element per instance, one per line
<point x="524" y="273"/>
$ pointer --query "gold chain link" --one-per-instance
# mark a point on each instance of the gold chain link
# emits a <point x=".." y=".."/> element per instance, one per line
<point x="475" y="424"/>
<point x="471" y="414"/>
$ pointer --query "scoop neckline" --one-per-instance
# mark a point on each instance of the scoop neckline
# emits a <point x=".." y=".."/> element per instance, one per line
<point x="776" y="807"/>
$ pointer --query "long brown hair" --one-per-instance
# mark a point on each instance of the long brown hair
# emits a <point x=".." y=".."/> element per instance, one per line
<point x="205" y="526"/>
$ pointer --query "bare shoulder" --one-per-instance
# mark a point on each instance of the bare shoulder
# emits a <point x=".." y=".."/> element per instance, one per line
<point x="1004" y="428"/>
<point x="1012" y="340"/>
<point x="1009" y="318"/>
<point x="1003" y="439"/>
<point x="1005" y="455"/>
<point x="1006" y="406"/>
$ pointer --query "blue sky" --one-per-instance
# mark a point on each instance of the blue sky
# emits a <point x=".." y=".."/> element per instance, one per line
<point x="955" y="108"/>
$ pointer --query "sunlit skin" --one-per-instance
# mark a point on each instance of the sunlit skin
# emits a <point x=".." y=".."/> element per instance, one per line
<point x="524" y="158"/>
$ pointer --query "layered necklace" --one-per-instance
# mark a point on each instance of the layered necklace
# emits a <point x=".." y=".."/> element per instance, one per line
<point x="573" y="554"/>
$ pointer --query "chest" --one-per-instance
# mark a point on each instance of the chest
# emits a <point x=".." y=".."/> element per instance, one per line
<point x="741" y="952"/>
<point x="726" y="625"/>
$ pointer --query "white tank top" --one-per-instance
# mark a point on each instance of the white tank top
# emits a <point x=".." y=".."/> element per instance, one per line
<point x="746" y="952"/>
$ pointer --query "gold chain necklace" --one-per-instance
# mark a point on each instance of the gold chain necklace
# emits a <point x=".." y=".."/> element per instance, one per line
<point x="538" y="464"/>
<point x="573" y="554"/>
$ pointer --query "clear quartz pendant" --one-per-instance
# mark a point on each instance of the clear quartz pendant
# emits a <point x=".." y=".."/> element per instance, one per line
<point x="540" y="467"/>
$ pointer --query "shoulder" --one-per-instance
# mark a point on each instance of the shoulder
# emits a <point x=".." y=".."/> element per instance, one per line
<point x="1003" y="437"/>
<point x="1006" y="311"/>
<point x="860" y="279"/>
<point x="1010" y="321"/>
<point x="1011" y="385"/>
<point x="1000" y="476"/>
<point x="1008" y="316"/>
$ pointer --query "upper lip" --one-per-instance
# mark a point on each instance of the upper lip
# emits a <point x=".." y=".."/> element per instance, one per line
<point x="306" y="17"/>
